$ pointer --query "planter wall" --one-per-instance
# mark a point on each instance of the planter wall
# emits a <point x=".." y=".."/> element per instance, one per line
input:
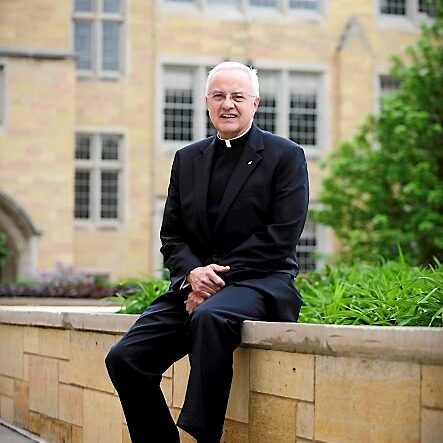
<point x="292" y="382"/>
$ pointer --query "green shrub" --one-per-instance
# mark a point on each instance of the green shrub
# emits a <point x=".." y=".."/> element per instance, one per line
<point x="390" y="294"/>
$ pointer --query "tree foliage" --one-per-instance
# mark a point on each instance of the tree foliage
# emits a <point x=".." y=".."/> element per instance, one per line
<point x="383" y="189"/>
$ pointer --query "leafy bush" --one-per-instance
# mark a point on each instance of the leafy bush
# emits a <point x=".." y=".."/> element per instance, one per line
<point x="63" y="281"/>
<point x="390" y="294"/>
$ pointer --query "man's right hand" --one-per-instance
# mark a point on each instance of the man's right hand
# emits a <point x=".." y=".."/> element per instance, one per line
<point x="205" y="281"/>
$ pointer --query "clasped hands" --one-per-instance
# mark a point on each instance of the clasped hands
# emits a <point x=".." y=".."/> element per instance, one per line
<point x="204" y="282"/>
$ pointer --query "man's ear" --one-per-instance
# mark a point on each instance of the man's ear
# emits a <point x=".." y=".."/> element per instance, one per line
<point x="256" y="102"/>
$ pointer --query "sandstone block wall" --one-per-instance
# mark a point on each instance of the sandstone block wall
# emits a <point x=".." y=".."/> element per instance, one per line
<point x="53" y="381"/>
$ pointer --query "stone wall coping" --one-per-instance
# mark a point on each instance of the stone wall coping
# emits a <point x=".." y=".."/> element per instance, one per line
<point x="418" y="344"/>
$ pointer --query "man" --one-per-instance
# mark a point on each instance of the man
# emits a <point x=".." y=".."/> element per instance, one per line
<point x="235" y="210"/>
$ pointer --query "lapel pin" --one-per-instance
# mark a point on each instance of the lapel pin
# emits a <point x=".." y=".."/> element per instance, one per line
<point x="250" y="162"/>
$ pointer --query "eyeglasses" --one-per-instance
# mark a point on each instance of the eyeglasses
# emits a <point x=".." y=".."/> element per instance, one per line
<point x="238" y="97"/>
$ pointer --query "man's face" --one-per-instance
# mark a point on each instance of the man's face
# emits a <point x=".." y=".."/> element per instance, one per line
<point x="230" y="102"/>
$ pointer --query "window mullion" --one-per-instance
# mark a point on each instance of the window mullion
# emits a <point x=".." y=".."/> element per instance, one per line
<point x="96" y="180"/>
<point x="98" y="45"/>
<point x="200" y="109"/>
<point x="283" y="105"/>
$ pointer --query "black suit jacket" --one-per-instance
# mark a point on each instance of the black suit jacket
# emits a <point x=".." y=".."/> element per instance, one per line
<point x="260" y="217"/>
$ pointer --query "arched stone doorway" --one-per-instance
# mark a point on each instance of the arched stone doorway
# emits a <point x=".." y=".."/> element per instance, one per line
<point x="21" y="240"/>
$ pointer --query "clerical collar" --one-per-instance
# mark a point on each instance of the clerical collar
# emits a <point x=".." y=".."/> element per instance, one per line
<point x="233" y="141"/>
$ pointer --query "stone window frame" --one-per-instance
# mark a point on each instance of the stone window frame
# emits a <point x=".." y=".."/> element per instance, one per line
<point x="283" y="72"/>
<point x="96" y="166"/>
<point x="411" y="20"/>
<point x="244" y="10"/>
<point x="98" y="17"/>
<point x="3" y="95"/>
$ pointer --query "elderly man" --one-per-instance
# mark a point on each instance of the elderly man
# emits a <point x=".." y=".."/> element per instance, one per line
<point x="235" y="210"/>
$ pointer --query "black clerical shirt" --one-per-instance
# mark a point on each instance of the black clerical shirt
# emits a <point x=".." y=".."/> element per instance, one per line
<point x="225" y="159"/>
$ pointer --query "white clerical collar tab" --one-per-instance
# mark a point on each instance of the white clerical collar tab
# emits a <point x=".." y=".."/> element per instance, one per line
<point x="229" y="140"/>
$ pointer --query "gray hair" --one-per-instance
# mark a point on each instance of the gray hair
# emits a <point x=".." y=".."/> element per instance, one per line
<point x="252" y="73"/>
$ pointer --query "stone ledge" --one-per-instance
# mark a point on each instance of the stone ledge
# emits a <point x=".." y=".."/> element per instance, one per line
<point x="418" y="344"/>
<point x="86" y="318"/>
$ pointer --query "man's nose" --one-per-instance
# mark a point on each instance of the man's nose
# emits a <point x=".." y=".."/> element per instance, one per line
<point x="228" y="102"/>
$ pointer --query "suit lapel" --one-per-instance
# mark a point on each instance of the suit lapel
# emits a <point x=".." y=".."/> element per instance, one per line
<point x="248" y="161"/>
<point x="202" y="174"/>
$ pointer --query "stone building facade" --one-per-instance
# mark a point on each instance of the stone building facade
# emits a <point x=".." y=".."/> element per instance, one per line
<point x="96" y="96"/>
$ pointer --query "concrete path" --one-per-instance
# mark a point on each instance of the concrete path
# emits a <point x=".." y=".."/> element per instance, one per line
<point x="8" y="435"/>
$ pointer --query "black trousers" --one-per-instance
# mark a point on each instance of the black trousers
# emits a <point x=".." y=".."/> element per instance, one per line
<point x="162" y="335"/>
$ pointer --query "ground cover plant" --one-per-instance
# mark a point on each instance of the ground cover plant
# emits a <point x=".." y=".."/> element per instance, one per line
<point x="141" y="295"/>
<point x="390" y="293"/>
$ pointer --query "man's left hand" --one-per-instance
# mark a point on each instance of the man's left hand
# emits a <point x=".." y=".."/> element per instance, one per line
<point x="193" y="301"/>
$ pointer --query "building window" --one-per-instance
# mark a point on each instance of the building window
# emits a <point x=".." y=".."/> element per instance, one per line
<point x="307" y="248"/>
<point x="98" y="36"/>
<point x="290" y="106"/>
<point x="310" y="5"/>
<point x="266" y="114"/>
<point x="426" y="7"/>
<point x="263" y="3"/>
<point x="393" y="7"/>
<point x="2" y="95"/>
<point x="98" y="177"/>
<point x="410" y="9"/>
<point x="387" y="85"/>
<point x="304" y="109"/>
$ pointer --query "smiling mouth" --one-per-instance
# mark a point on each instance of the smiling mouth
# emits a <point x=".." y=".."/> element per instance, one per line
<point x="228" y="116"/>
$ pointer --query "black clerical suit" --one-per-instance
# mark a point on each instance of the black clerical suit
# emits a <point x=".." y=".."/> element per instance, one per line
<point x="244" y="208"/>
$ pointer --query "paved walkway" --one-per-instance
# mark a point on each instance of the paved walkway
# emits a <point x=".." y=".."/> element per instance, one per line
<point x="8" y="435"/>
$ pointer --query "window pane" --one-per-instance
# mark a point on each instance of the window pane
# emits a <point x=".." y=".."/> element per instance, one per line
<point x="266" y="115"/>
<point x="304" y="4"/>
<point x="263" y="3"/>
<point x="82" y="193"/>
<point x="303" y="110"/>
<point x="178" y="110"/>
<point x="111" y="46"/>
<point x="83" y="5"/>
<point x="393" y="7"/>
<point x="210" y="130"/>
<point x="111" y="6"/>
<point x="83" y="43"/>
<point x="83" y="147"/>
<point x="306" y="248"/>
<point x="303" y="119"/>
<point x="110" y="147"/>
<point x="388" y="84"/>
<point x="109" y="195"/>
